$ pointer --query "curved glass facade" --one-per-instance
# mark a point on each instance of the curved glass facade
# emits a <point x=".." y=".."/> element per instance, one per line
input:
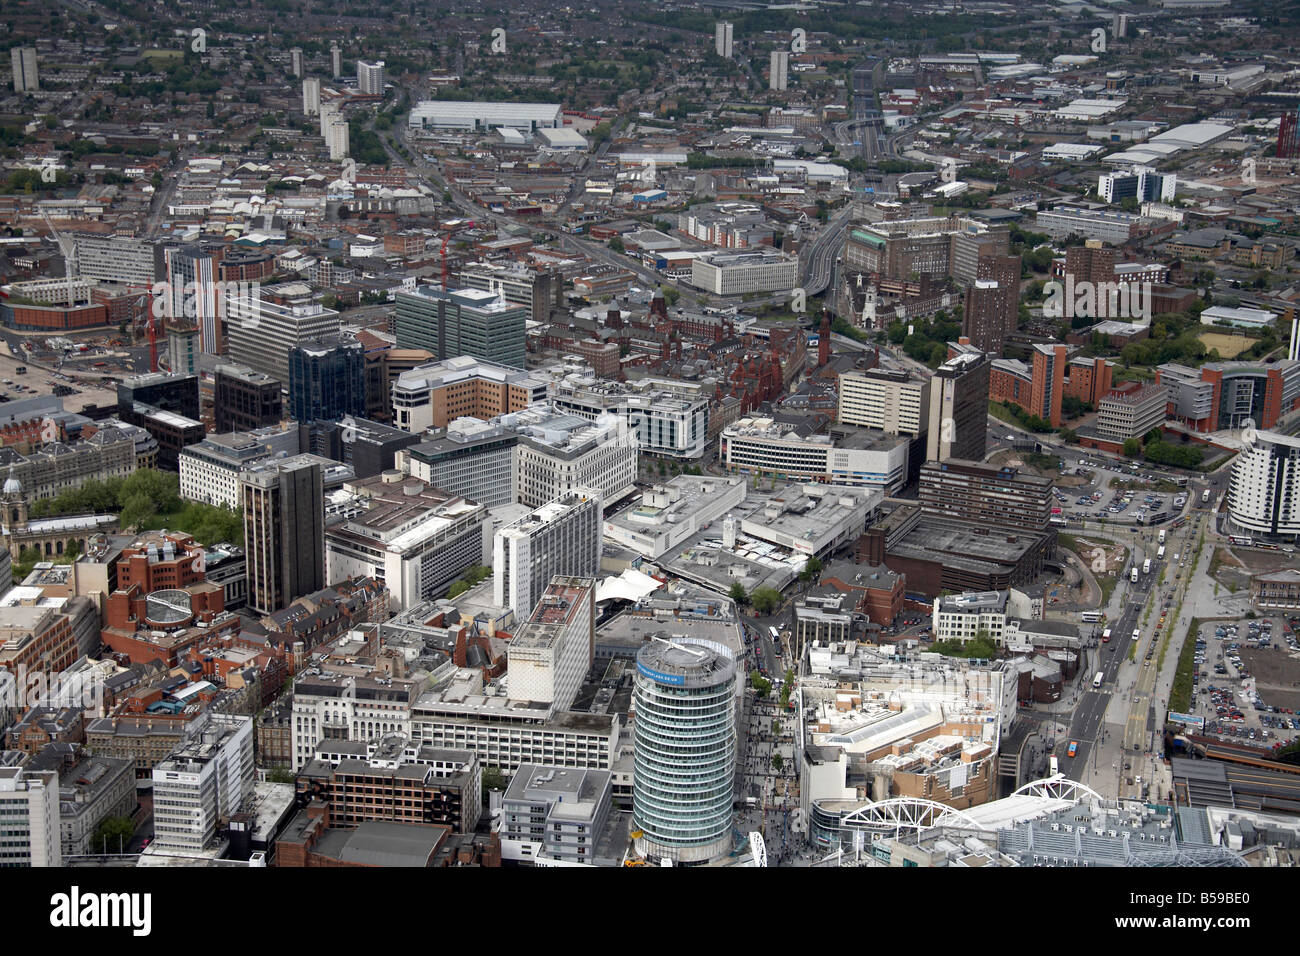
<point x="685" y="750"/>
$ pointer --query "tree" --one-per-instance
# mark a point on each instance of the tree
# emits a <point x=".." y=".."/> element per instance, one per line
<point x="760" y="684"/>
<point x="112" y="835"/>
<point x="280" y="775"/>
<point x="777" y="762"/>
<point x="493" y="779"/>
<point x="739" y="594"/>
<point x="765" y="600"/>
<point x="1132" y="448"/>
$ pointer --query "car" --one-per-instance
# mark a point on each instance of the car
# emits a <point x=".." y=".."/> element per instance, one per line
<point x="1074" y="748"/>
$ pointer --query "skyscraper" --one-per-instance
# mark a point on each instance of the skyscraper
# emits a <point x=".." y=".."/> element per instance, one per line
<point x="722" y="32"/>
<point x="284" y="530"/>
<point x="336" y="60"/>
<point x="193" y="294"/>
<point x="26" y="78"/>
<point x="295" y="60"/>
<point x="1264" y="491"/>
<point x="327" y="379"/>
<point x="779" y="70"/>
<point x="311" y="96"/>
<point x="959" y="402"/>
<point x="337" y="136"/>
<point x="562" y="537"/>
<point x="462" y="322"/>
<point x="992" y="303"/>
<point x="684" y="750"/>
<point x="370" y="77"/>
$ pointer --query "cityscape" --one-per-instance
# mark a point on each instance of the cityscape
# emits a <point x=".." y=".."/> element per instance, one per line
<point x="700" y="434"/>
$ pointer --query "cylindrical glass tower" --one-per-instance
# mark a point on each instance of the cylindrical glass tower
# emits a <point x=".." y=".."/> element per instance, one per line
<point x="685" y="750"/>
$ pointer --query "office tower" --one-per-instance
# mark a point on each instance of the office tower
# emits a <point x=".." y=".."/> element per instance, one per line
<point x="1119" y="25"/>
<point x="183" y="347"/>
<point x="1140" y="182"/>
<point x="556" y="811"/>
<point x="462" y="322"/>
<point x="337" y="137"/>
<point x="722" y="33"/>
<point x="206" y="780"/>
<point x="370" y="77"/>
<point x="194" y="295"/>
<point x="1264" y="491"/>
<point x="414" y="537"/>
<point x="26" y="78"/>
<point x="244" y="399"/>
<point x="684" y="750"/>
<point x="327" y="379"/>
<point x="123" y="259"/>
<point x="284" y="530"/>
<point x="779" y="69"/>
<point x="29" y="818"/>
<point x="295" y="60"/>
<point x="993" y="303"/>
<point x="264" y="327"/>
<point x="888" y="399"/>
<point x="550" y="655"/>
<point x="311" y="96"/>
<point x="958" y="415"/>
<point x="174" y="392"/>
<point x="562" y="537"/>
<point x="989" y="495"/>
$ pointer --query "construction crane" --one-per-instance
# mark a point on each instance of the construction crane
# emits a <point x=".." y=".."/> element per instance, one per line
<point x="152" y="328"/>
<point x="68" y="248"/>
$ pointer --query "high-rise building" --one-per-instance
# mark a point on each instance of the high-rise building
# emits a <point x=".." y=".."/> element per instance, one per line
<point x="194" y="295"/>
<point x="311" y="96"/>
<point x="1222" y="395"/>
<point x="891" y="400"/>
<point x="1090" y="262"/>
<point x="295" y="60"/>
<point x="959" y="402"/>
<point x="244" y="399"/>
<point x="29" y="817"/>
<point x="555" y="811"/>
<point x="779" y="70"/>
<point x="26" y="77"/>
<point x="536" y="290"/>
<point x="167" y="391"/>
<point x="993" y="303"/>
<point x="1130" y="410"/>
<point x="370" y="77"/>
<point x="183" y="347"/>
<point x="722" y="38"/>
<point x="462" y="322"/>
<point x="550" y="655"/>
<point x="205" y="781"/>
<point x="336" y="60"/>
<point x="1264" y="491"/>
<point x="327" y="379"/>
<point x="684" y="750"/>
<point x="125" y="259"/>
<point x="337" y="136"/>
<point x="1141" y="183"/>
<point x="989" y="495"/>
<point x="562" y="537"/>
<point x="415" y="538"/>
<point x="266" y="325"/>
<point x="284" y="530"/>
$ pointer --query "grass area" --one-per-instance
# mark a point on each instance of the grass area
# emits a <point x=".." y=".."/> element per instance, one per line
<point x="1107" y="584"/>
<point x="1228" y="345"/>
<point x="1180" y="694"/>
<point x="168" y="56"/>
<point x="1133" y="652"/>
<point x="1000" y="411"/>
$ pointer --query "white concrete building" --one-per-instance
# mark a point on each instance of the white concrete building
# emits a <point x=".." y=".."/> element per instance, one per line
<point x="751" y="270"/>
<point x="562" y="537"/>
<point x="762" y="446"/>
<point x="29" y="818"/>
<point x="468" y="117"/>
<point x="673" y="511"/>
<point x="892" y="401"/>
<point x="550" y="655"/>
<point x="1264" y="491"/>
<point x="205" y="780"/>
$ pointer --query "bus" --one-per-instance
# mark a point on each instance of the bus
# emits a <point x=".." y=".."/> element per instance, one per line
<point x="1096" y="681"/>
<point x="1092" y="617"/>
<point x="1105" y="636"/>
<point x="1205" y="496"/>
<point x="1160" y="554"/>
<point x="776" y="635"/>
<point x="1239" y="540"/>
